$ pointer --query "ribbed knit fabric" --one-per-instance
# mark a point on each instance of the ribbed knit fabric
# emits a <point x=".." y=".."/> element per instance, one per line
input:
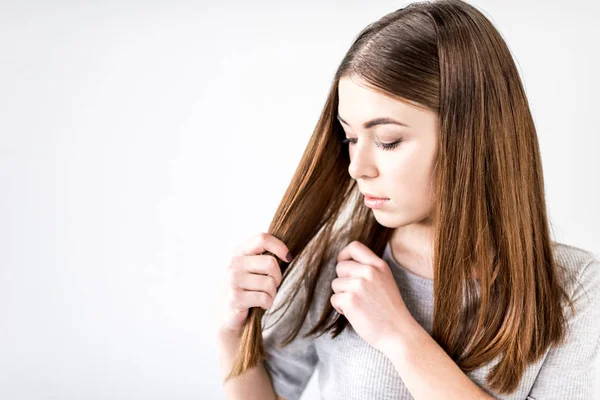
<point x="351" y="369"/>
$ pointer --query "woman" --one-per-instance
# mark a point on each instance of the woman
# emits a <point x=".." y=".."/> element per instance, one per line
<point x="447" y="286"/>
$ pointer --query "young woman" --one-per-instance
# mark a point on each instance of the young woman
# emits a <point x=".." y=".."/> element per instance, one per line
<point x="424" y="266"/>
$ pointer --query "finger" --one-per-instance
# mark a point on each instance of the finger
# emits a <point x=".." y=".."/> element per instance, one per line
<point x="263" y="283"/>
<point x="245" y="299"/>
<point x="351" y="268"/>
<point x="264" y="242"/>
<point x="264" y="265"/>
<point x="335" y="302"/>
<point x="360" y="253"/>
<point x="340" y="285"/>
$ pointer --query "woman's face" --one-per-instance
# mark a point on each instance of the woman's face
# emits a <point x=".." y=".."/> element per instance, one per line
<point x="403" y="174"/>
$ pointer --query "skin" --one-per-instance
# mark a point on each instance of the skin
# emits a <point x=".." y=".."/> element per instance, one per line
<point x="404" y="174"/>
<point x="365" y="290"/>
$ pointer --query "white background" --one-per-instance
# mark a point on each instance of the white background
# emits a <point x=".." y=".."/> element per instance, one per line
<point x="142" y="141"/>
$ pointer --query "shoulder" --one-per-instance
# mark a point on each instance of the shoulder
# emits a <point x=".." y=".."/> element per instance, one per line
<point x="568" y="370"/>
<point x="572" y="257"/>
<point x="582" y="268"/>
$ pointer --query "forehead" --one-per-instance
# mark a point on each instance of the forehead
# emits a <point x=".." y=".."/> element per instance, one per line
<point x="357" y="101"/>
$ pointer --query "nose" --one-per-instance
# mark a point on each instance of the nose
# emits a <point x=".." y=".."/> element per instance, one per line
<point x="361" y="162"/>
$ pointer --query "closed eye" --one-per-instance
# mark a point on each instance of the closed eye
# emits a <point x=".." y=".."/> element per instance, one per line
<point x="381" y="145"/>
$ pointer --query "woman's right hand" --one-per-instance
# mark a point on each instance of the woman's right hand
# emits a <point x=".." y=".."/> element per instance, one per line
<point x="252" y="280"/>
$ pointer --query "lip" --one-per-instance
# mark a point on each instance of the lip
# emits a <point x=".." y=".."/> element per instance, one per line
<point x="375" y="202"/>
<point x="372" y="197"/>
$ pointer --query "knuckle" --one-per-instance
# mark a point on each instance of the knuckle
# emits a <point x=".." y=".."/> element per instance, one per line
<point x="233" y="301"/>
<point x="236" y="263"/>
<point x="263" y="236"/>
<point x="272" y="284"/>
<point x="266" y="300"/>
<point x="268" y="261"/>
<point x="277" y="280"/>
<point x="362" y="284"/>
<point x="233" y="277"/>
<point x="233" y="284"/>
<point x="273" y="265"/>
<point x="232" y="264"/>
<point x="351" y="298"/>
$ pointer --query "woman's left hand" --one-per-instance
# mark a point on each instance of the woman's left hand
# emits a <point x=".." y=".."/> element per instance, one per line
<point x="366" y="293"/>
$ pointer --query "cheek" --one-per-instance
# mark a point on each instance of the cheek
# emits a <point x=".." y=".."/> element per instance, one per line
<point x="411" y="180"/>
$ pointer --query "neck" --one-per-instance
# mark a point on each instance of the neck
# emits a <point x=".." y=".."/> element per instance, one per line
<point x="412" y="247"/>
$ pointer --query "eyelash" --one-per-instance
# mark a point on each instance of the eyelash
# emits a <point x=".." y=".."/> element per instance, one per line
<point x="384" y="146"/>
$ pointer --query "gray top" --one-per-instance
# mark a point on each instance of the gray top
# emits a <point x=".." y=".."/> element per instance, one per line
<point x="350" y="368"/>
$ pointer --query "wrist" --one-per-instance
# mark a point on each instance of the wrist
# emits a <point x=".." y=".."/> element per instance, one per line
<point x="400" y="339"/>
<point x="228" y="334"/>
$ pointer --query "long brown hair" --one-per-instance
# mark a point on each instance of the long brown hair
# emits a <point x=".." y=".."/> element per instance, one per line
<point x="490" y="217"/>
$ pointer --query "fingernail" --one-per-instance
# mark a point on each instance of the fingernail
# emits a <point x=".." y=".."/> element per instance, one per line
<point x="289" y="257"/>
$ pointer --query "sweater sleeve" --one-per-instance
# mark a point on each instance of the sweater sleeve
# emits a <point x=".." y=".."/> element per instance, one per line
<point x="289" y="367"/>
<point x="569" y="371"/>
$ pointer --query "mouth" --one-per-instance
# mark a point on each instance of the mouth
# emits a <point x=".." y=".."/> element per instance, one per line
<point x="374" y="198"/>
<point x="375" y="202"/>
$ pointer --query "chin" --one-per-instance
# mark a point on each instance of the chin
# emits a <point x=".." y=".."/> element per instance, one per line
<point x="390" y="219"/>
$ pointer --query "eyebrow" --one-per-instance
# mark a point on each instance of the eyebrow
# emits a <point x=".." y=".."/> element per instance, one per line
<point x="376" y="121"/>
